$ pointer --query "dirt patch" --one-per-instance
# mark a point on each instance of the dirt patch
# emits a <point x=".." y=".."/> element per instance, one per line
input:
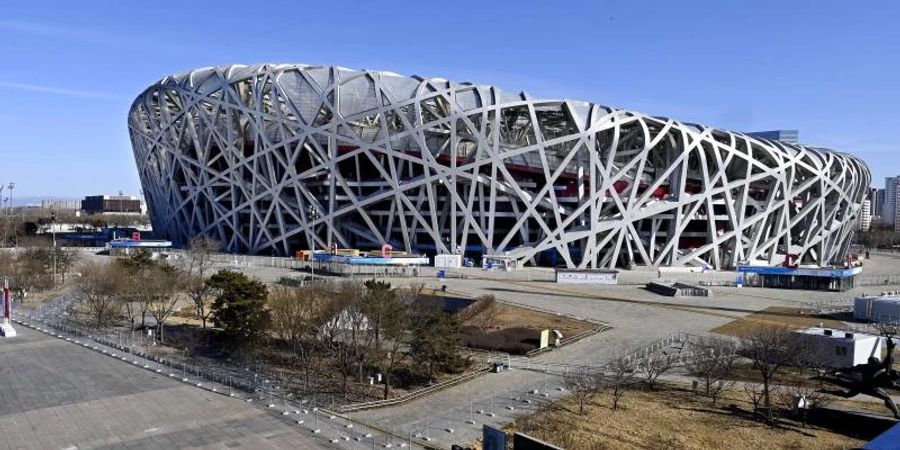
<point x="668" y="419"/>
<point x="509" y="316"/>
<point x="516" y="341"/>
<point x="494" y="326"/>
<point x="775" y="316"/>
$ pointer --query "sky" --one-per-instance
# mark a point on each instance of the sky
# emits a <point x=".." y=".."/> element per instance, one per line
<point x="70" y="70"/>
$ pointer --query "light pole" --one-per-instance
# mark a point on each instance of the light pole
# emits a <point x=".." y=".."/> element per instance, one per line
<point x="53" y="234"/>
<point x="5" y="214"/>
<point x="10" y="214"/>
<point x="313" y="215"/>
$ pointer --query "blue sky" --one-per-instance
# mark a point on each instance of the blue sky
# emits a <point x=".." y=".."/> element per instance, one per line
<point x="828" y="68"/>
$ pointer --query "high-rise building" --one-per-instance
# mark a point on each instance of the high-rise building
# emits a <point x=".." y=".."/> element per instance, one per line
<point x="889" y="211"/>
<point x="865" y="216"/>
<point x="878" y="210"/>
<point x="895" y="202"/>
<point x="113" y="204"/>
<point x="871" y="196"/>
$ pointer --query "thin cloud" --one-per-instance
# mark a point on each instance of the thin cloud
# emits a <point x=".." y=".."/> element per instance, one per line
<point x="85" y="36"/>
<point x="58" y="91"/>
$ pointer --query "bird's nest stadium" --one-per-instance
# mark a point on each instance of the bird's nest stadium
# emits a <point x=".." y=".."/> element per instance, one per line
<point x="270" y="159"/>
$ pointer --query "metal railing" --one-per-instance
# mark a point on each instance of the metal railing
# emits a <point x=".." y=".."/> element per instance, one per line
<point x="416" y="394"/>
<point x="877" y="280"/>
<point x="826" y="306"/>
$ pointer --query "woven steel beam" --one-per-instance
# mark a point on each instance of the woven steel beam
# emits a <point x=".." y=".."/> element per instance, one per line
<point x="270" y="159"/>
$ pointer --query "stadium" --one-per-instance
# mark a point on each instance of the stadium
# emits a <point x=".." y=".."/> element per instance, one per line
<point x="271" y="159"/>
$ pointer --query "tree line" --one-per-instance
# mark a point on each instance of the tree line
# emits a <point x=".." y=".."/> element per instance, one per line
<point x="351" y="329"/>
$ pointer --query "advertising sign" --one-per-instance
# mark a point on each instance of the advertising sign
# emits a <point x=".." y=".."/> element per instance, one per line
<point x="493" y="438"/>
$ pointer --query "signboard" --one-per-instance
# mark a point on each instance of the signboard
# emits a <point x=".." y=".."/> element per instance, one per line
<point x="448" y="261"/>
<point x="587" y="276"/>
<point x="801" y="271"/>
<point x="492" y="438"/>
<point x="545" y="338"/>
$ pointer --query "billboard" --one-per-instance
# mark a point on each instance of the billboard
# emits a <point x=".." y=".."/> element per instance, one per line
<point x="565" y="276"/>
<point x="493" y="438"/>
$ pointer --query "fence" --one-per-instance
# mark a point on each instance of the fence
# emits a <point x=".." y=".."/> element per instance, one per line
<point x="415" y="394"/>
<point x="877" y="280"/>
<point x="635" y="358"/>
<point x="826" y="306"/>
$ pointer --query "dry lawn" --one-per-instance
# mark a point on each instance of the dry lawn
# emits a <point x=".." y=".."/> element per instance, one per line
<point x="509" y="316"/>
<point x="670" y="419"/>
<point x="775" y="316"/>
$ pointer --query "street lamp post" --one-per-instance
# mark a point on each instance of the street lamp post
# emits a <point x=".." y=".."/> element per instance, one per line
<point x="10" y="214"/>
<point x="313" y="215"/>
<point x="53" y="234"/>
<point x="5" y="213"/>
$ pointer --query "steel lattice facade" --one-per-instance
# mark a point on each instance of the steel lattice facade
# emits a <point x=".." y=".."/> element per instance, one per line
<point x="274" y="158"/>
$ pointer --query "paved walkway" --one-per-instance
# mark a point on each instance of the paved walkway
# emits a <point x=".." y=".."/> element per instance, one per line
<point x="318" y="427"/>
<point x="57" y="395"/>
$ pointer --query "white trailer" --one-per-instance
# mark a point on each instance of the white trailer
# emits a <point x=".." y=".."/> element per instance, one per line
<point x="838" y="349"/>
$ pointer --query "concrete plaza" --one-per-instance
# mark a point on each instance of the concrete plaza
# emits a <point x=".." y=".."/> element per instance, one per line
<point x="58" y="395"/>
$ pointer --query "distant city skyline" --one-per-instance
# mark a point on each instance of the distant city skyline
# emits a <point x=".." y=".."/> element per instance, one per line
<point x="72" y="70"/>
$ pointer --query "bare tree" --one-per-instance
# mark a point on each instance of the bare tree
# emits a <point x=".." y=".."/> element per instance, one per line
<point x="162" y="288"/>
<point x="769" y="349"/>
<point x="583" y="385"/>
<point x="712" y="363"/>
<point x="485" y="312"/>
<point x="346" y="332"/>
<point x="98" y="289"/>
<point x="198" y="265"/>
<point x="66" y="258"/>
<point x="654" y="367"/>
<point x="800" y="398"/>
<point x="297" y="317"/>
<point x="133" y="296"/>
<point x="286" y="306"/>
<point x="618" y="379"/>
<point x="754" y="394"/>
<point x="30" y="271"/>
<point x="395" y="331"/>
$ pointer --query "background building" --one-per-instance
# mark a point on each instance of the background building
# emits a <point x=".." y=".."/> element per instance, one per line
<point x="879" y="204"/>
<point x="786" y="136"/>
<point x="865" y="216"/>
<point x="61" y="205"/>
<point x="113" y="204"/>
<point x="874" y="213"/>
<point x="891" y="198"/>
<point x="271" y="159"/>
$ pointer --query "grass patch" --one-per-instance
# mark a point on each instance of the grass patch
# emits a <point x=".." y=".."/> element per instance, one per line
<point x="511" y="316"/>
<point x="775" y="316"/>
<point x="670" y="419"/>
